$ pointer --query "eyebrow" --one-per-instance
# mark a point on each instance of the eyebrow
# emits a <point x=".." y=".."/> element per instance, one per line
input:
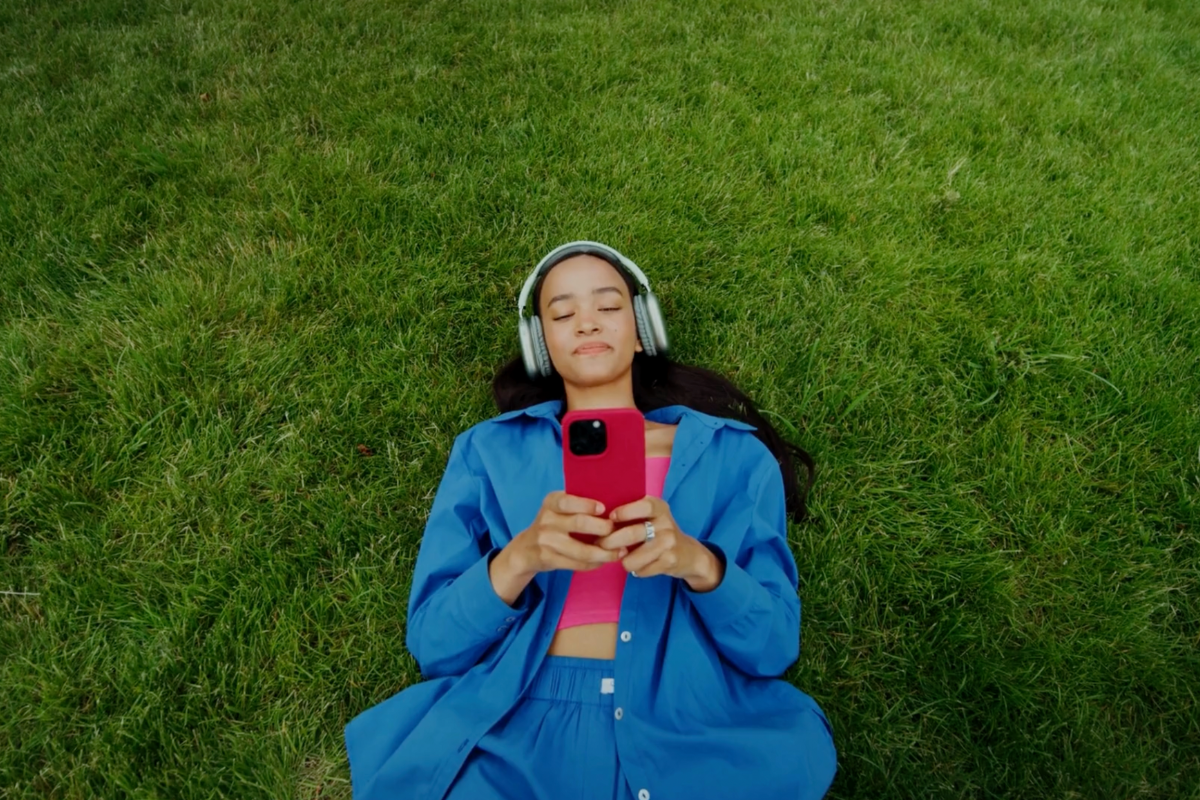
<point x="569" y="295"/>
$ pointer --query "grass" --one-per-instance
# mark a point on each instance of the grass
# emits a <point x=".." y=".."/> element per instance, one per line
<point x="951" y="246"/>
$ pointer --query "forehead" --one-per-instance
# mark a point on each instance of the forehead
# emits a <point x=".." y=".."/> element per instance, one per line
<point x="580" y="273"/>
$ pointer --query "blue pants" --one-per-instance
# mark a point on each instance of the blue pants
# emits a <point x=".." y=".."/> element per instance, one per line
<point x="558" y="741"/>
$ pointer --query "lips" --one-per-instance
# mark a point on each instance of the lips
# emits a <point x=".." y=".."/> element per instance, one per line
<point x="589" y="349"/>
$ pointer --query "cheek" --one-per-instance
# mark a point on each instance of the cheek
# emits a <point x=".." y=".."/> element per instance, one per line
<point x="629" y="329"/>
<point x="559" y="341"/>
<point x="559" y="350"/>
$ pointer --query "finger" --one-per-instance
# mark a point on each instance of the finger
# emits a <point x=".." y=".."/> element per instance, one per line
<point x="583" y="552"/>
<point x="646" y="560"/>
<point x="645" y="570"/>
<point x="574" y="504"/>
<point x="584" y="523"/>
<point x="638" y="509"/>
<point x="556" y="561"/>
<point x="624" y="536"/>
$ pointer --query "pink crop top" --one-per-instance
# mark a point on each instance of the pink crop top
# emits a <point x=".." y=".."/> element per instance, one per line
<point x="595" y="595"/>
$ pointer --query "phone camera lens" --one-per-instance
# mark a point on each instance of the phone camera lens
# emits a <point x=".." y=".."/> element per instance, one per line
<point x="588" y="437"/>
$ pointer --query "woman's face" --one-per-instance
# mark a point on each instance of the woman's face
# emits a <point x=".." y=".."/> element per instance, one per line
<point x="587" y="320"/>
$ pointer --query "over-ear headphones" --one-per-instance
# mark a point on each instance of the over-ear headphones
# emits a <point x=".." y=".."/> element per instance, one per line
<point x="650" y="328"/>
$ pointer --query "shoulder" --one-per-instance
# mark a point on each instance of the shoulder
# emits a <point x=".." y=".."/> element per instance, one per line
<point x="738" y="443"/>
<point x="506" y="424"/>
<point x="731" y="430"/>
<point x="501" y="432"/>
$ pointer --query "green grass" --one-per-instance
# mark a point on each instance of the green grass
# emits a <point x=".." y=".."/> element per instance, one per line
<point x="952" y="246"/>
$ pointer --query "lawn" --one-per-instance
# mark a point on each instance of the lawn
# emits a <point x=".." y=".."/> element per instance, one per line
<point x="259" y="262"/>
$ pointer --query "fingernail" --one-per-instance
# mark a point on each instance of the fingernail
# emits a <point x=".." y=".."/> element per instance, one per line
<point x="624" y="552"/>
<point x="599" y="508"/>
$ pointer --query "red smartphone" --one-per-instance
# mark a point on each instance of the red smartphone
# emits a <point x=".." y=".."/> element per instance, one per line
<point x="604" y="457"/>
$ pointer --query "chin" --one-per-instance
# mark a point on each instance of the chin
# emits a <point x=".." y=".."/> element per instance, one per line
<point x="590" y="378"/>
<point x="594" y="377"/>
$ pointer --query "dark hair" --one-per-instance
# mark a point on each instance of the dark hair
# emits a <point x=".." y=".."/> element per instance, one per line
<point x="657" y="382"/>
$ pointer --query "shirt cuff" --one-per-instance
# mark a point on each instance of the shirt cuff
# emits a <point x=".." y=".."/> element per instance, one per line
<point x="731" y="598"/>
<point x="487" y="610"/>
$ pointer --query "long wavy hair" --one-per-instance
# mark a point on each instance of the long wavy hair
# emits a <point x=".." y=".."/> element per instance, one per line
<point x="657" y="382"/>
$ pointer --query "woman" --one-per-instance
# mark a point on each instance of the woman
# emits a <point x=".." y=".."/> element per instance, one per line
<point x="559" y="669"/>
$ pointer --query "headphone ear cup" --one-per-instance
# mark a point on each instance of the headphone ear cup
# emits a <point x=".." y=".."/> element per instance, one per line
<point x="524" y="331"/>
<point x="541" y="353"/>
<point x="652" y="318"/>
<point x="643" y="326"/>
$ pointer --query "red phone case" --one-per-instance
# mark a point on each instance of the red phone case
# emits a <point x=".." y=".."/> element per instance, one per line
<point x="616" y="476"/>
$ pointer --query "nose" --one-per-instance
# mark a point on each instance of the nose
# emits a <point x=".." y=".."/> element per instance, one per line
<point x="585" y="322"/>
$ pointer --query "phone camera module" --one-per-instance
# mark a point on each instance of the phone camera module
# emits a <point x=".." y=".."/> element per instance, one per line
<point x="588" y="437"/>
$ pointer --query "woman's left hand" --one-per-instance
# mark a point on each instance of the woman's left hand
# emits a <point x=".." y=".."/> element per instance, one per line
<point x="671" y="552"/>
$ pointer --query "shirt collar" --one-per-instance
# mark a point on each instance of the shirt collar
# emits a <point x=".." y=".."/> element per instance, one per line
<point x="669" y="415"/>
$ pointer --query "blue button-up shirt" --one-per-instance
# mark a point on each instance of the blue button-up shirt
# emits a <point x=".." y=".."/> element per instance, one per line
<point x="705" y="712"/>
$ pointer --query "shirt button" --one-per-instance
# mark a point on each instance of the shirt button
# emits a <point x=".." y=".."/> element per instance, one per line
<point x="502" y="629"/>
<point x="510" y="619"/>
<point x="626" y="636"/>
<point x="618" y="713"/>
<point x="643" y="795"/>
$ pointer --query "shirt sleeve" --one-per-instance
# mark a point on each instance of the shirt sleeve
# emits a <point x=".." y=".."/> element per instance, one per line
<point x="454" y="613"/>
<point x="753" y="614"/>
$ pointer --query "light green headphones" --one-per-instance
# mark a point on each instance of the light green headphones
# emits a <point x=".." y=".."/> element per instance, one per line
<point x="651" y="330"/>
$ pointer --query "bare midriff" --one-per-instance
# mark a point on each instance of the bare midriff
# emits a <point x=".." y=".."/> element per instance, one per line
<point x="599" y="640"/>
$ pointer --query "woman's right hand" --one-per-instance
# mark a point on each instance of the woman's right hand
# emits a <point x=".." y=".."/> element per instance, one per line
<point x="547" y="544"/>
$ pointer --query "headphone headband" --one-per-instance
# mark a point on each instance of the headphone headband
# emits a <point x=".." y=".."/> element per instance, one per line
<point x="571" y="249"/>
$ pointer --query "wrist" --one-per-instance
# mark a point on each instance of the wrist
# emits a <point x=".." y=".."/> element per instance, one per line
<point x="709" y="570"/>
<point x="508" y="578"/>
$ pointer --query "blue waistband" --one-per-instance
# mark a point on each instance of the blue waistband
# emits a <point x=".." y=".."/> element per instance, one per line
<point x="574" y="679"/>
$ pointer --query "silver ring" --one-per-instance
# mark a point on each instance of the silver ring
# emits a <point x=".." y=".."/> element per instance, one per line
<point x="634" y="574"/>
<point x="649" y="531"/>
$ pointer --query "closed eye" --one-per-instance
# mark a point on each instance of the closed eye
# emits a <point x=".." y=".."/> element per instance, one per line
<point x="566" y="316"/>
